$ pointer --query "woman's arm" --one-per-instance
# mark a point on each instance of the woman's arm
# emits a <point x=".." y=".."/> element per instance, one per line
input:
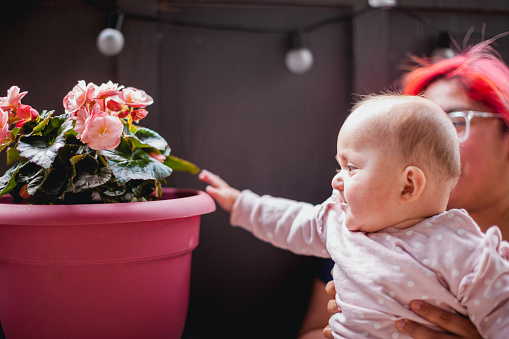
<point x="317" y="316"/>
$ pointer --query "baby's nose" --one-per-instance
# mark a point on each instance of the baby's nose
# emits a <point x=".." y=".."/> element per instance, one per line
<point x="337" y="182"/>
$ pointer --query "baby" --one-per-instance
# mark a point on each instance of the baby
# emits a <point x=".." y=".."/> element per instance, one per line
<point x="386" y="226"/>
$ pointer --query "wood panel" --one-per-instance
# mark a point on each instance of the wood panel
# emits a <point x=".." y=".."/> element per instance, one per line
<point x="384" y="39"/>
<point x="224" y="99"/>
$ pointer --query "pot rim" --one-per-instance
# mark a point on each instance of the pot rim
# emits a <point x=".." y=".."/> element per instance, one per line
<point x="175" y="203"/>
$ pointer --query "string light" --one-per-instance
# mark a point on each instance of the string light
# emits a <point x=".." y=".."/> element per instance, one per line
<point x="110" y="41"/>
<point x="443" y="48"/>
<point x="299" y="58"/>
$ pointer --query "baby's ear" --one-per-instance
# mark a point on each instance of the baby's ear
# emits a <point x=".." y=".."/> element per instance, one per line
<point x="413" y="183"/>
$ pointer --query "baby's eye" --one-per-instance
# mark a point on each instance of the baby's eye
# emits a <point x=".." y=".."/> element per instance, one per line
<point x="351" y="167"/>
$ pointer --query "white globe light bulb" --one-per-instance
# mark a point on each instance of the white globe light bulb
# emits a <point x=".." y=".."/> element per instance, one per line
<point x="110" y="42"/>
<point x="299" y="60"/>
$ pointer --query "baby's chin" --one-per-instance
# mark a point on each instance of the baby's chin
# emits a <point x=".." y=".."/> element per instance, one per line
<point x="353" y="227"/>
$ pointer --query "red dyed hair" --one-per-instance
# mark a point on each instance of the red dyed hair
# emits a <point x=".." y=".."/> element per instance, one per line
<point x="479" y="69"/>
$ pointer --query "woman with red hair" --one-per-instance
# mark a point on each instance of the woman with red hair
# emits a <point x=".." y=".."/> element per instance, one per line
<point x="473" y="89"/>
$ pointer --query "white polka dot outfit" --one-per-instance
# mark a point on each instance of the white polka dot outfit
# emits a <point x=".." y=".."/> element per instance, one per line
<point x="445" y="260"/>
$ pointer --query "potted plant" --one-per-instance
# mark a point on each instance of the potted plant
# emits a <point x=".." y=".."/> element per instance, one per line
<point x="91" y="243"/>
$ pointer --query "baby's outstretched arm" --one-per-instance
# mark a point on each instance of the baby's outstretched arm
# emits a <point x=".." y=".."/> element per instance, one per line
<point x="223" y="194"/>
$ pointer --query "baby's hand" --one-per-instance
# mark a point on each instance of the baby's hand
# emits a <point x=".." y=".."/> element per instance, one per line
<point x="218" y="189"/>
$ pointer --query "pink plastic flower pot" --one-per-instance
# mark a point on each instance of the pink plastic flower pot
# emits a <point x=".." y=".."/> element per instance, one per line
<point x="99" y="270"/>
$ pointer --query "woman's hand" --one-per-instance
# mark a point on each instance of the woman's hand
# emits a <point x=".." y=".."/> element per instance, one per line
<point x="457" y="325"/>
<point x="332" y="307"/>
<point x="218" y="189"/>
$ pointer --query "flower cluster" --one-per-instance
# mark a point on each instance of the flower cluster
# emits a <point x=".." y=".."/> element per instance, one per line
<point x="12" y="111"/>
<point x="94" y="150"/>
<point x="99" y="110"/>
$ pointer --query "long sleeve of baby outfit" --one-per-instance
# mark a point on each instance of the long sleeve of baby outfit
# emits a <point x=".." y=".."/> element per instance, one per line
<point x="284" y="223"/>
<point x="485" y="290"/>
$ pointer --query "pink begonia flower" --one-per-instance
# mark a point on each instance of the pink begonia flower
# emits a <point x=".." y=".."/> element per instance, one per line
<point x="12" y="99"/>
<point x="139" y="114"/>
<point x="4" y="124"/>
<point x="114" y="105"/>
<point x="108" y="89"/>
<point x="103" y="131"/>
<point x="26" y="112"/>
<point x="79" y="96"/>
<point x="136" y="98"/>
<point x="123" y="114"/>
<point x="82" y="118"/>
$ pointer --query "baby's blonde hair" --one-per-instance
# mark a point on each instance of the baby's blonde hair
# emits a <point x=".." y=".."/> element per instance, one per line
<point x="424" y="134"/>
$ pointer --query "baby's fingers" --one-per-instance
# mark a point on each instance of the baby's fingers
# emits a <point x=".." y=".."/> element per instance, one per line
<point x="215" y="193"/>
<point x="218" y="189"/>
<point x="212" y="179"/>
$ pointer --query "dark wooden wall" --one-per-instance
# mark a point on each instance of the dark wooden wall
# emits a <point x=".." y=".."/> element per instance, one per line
<point x="224" y="99"/>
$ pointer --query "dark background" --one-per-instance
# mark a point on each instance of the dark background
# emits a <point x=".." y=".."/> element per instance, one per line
<point x="225" y="100"/>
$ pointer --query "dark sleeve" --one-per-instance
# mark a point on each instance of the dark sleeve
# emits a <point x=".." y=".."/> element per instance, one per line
<point x="325" y="272"/>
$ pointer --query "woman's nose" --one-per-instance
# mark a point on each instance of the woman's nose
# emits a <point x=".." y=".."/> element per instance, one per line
<point x="337" y="182"/>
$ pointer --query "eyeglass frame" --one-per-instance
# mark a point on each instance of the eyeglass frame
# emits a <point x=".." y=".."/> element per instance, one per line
<point x="469" y="115"/>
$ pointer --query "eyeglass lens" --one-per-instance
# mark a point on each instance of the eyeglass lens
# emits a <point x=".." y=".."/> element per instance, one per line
<point x="460" y="122"/>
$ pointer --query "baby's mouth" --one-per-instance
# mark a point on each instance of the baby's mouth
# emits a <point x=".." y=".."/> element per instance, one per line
<point x="342" y="201"/>
<point x="339" y="199"/>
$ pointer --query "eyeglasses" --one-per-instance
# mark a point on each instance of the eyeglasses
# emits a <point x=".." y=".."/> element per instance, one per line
<point x="461" y="120"/>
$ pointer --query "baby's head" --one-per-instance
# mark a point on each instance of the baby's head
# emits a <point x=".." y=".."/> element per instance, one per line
<point x="416" y="129"/>
<point x="396" y="149"/>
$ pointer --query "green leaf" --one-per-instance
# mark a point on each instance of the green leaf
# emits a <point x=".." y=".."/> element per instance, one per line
<point x="4" y="143"/>
<point x="42" y="149"/>
<point x="35" y="182"/>
<point x="55" y="182"/>
<point x="128" y="165"/>
<point x="61" y="124"/>
<point x="181" y="165"/>
<point x="88" y="180"/>
<point x="42" y="125"/>
<point x="27" y="171"/>
<point x="134" y="190"/>
<point x="88" y="173"/>
<point x="48" y="186"/>
<point x="12" y="155"/>
<point x="145" y="137"/>
<point x="8" y="180"/>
